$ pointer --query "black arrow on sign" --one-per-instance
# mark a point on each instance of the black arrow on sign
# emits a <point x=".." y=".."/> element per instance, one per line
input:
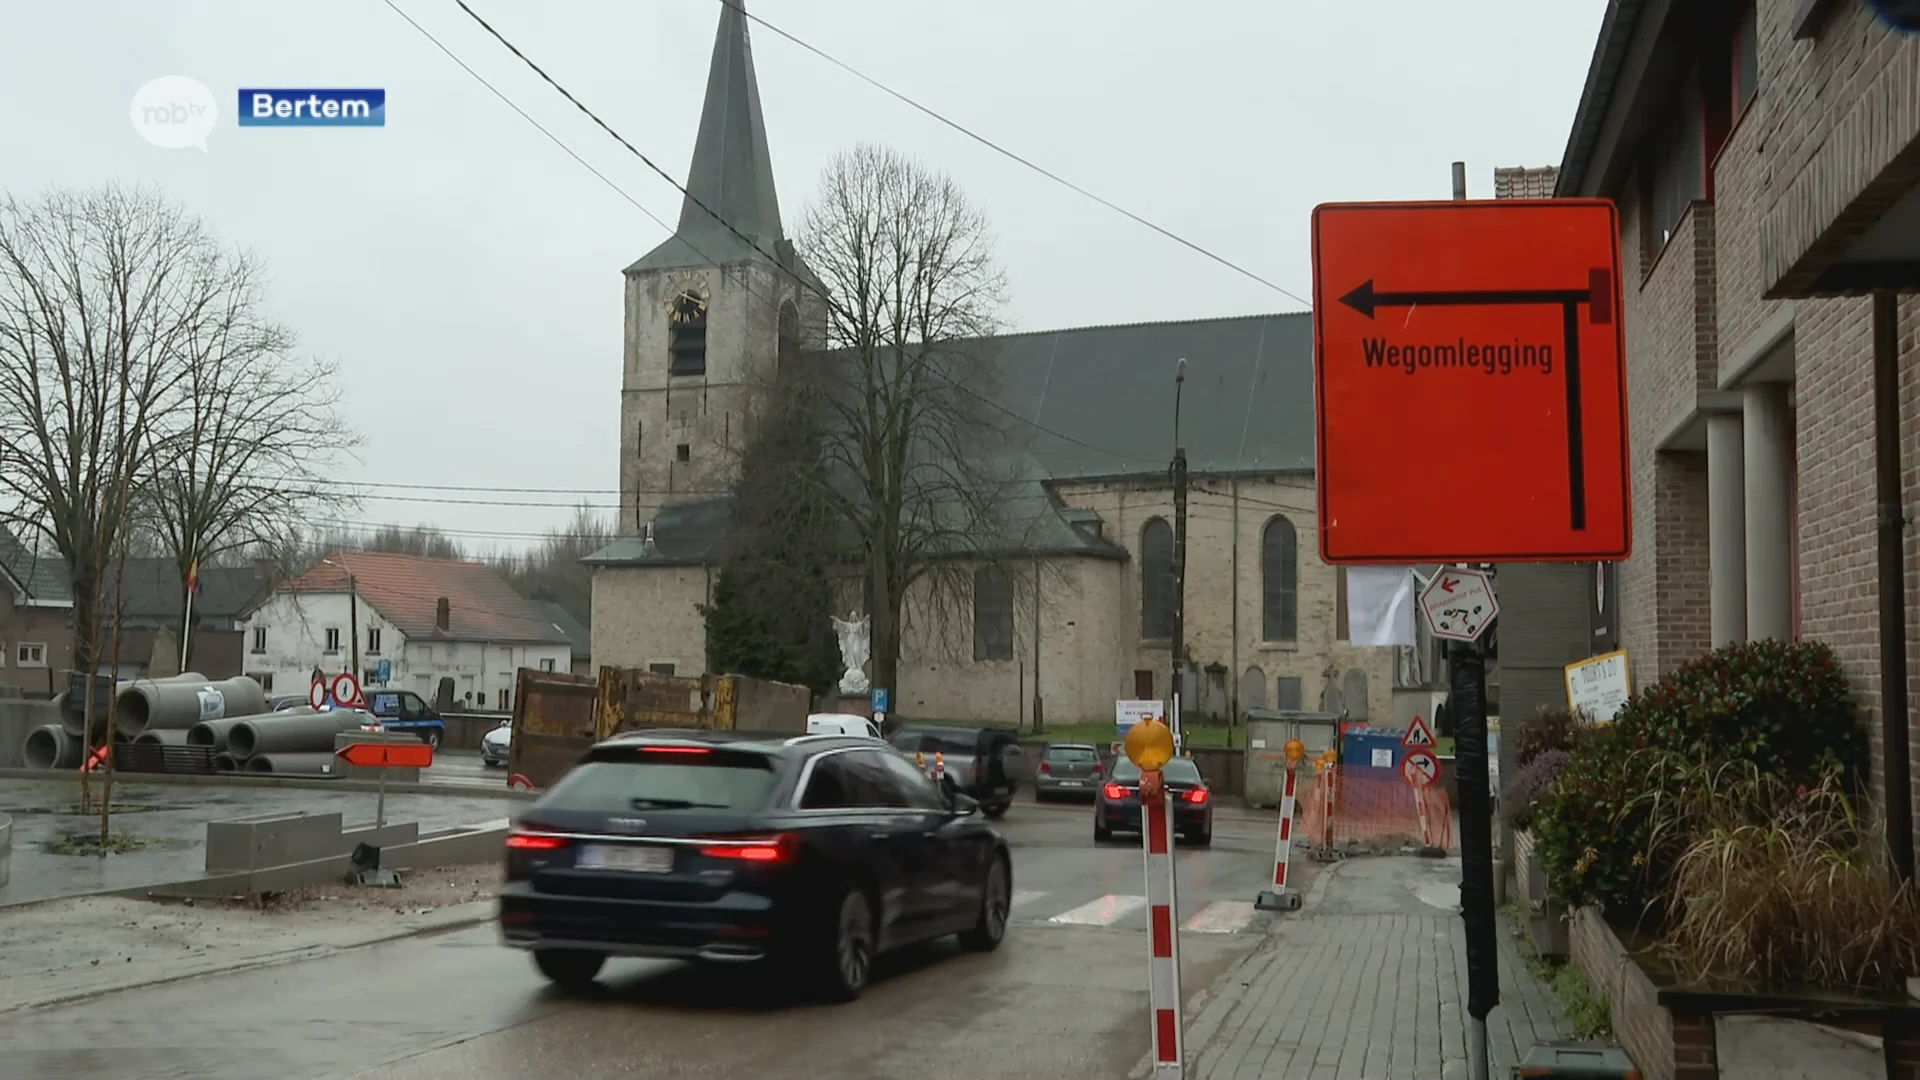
<point x="1598" y="296"/>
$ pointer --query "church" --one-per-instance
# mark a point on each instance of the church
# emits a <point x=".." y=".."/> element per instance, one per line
<point x="710" y="309"/>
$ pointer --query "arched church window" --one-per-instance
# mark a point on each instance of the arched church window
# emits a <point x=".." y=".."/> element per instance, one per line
<point x="1156" y="581"/>
<point x="789" y="338"/>
<point x="1279" y="586"/>
<point x="687" y="333"/>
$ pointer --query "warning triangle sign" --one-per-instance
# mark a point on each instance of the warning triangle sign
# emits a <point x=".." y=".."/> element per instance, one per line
<point x="1419" y="735"/>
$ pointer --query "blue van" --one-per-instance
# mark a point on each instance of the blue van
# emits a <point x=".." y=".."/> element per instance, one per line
<point x="404" y="710"/>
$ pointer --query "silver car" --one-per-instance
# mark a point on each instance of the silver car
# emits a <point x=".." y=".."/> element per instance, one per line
<point x="1068" y="769"/>
<point x="496" y="745"/>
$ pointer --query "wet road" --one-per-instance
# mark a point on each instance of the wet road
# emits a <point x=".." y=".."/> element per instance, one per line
<point x="1063" y="998"/>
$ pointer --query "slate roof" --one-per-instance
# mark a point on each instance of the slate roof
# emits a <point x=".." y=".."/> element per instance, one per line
<point x="732" y="171"/>
<point x="563" y="620"/>
<point x="153" y="590"/>
<point x="39" y="577"/>
<point x="405" y="590"/>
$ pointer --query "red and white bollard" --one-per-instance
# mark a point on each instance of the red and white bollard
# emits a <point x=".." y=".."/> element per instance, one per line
<point x="1163" y="970"/>
<point x="1280" y="897"/>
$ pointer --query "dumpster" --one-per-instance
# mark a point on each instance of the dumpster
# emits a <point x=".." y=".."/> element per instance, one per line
<point x="1267" y="733"/>
<point x="1371" y="748"/>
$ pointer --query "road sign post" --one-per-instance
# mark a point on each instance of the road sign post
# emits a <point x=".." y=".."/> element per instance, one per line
<point x="1282" y="897"/>
<point x="383" y="755"/>
<point x="1488" y="333"/>
<point x="1149" y="745"/>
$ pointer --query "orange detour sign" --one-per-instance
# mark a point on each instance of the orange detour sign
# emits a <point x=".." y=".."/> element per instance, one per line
<point x="386" y="755"/>
<point x="1485" y="336"/>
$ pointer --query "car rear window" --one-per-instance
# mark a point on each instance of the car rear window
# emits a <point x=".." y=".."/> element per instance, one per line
<point x="943" y="742"/>
<point x="1071" y="753"/>
<point x="1178" y="771"/>
<point x="661" y="782"/>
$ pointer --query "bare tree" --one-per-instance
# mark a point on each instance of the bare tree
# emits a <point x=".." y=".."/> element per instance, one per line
<point x="908" y="435"/>
<point x="101" y="293"/>
<point x="240" y="449"/>
<point x="551" y="569"/>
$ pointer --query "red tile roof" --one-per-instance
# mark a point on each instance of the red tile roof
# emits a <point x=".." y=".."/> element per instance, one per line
<point x="1520" y="182"/>
<point x="406" y="590"/>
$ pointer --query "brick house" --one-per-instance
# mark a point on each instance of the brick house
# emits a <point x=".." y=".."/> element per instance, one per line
<point x="1765" y="156"/>
<point x="36" y="620"/>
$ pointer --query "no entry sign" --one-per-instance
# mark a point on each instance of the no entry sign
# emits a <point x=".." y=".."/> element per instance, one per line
<point x="1485" y="336"/>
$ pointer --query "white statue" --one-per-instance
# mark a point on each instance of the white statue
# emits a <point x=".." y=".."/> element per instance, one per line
<point x="855" y="634"/>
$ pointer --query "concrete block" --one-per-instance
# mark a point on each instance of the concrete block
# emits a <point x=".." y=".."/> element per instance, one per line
<point x="475" y="844"/>
<point x="271" y="840"/>
<point x="393" y="834"/>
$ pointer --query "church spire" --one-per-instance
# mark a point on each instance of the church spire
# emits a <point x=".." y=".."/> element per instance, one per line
<point x="732" y="171"/>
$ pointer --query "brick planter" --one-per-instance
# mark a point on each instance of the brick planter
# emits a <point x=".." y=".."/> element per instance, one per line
<point x="1672" y="1033"/>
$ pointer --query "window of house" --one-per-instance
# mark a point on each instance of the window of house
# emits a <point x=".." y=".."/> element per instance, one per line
<point x="1279" y="581"/>
<point x="259" y="639"/>
<point x="992" y="614"/>
<point x="683" y="453"/>
<point x="1289" y="700"/>
<point x="373" y="639"/>
<point x="1746" y="59"/>
<point x="789" y="349"/>
<point x="687" y="334"/>
<point x="1156" y="581"/>
<point x="333" y="639"/>
<point x="546" y="664"/>
<point x="30" y="654"/>
<point x="264" y="678"/>
<point x="661" y="668"/>
<point x="1673" y="171"/>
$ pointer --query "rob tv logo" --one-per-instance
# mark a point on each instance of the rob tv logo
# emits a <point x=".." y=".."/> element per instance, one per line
<point x="261" y="107"/>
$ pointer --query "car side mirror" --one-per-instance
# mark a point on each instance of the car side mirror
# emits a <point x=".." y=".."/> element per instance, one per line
<point x="961" y="803"/>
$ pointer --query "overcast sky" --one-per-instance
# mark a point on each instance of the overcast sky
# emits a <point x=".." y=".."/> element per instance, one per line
<point x="464" y="272"/>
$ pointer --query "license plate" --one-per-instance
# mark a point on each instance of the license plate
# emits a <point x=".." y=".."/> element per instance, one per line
<point x="1000" y="791"/>
<point x="1069" y="783"/>
<point x="645" y="860"/>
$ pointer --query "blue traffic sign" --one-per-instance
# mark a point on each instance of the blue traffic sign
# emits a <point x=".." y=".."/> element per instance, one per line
<point x="880" y="700"/>
<point x="386" y="670"/>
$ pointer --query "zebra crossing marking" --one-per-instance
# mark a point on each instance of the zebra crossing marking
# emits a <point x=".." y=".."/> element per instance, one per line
<point x="1219" y="917"/>
<point x="1105" y="911"/>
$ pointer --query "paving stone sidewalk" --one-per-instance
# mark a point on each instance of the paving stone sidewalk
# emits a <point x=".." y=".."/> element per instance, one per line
<point x="1367" y="982"/>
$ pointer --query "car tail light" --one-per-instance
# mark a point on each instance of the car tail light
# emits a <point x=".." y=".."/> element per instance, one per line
<point x="1046" y="769"/>
<point x="520" y="841"/>
<point x="1115" y="791"/>
<point x="675" y="750"/>
<point x="761" y="850"/>
<point x="1098" y="772"/>
<point x="1198" y="796"/>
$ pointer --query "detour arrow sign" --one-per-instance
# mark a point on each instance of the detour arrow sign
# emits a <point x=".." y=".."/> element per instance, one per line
<point x="373" y="755"/>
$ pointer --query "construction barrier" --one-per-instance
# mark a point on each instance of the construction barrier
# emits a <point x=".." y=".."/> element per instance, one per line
<point x="1353" y="809"/>
<point x="1163" y="975"/>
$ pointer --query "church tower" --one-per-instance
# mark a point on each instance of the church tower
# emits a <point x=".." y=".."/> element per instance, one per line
<point x="711" y="311"/>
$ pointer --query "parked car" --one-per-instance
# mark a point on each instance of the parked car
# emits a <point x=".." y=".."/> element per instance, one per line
<point x="842" y="724"/>
<point x="1117" y="807"/>
<point x="1069" y="769"/>
<point x="813" y="854"/>
<point x="979" y="761"/>
<point x="497" y="745"/>
<point x="404" y="710"/>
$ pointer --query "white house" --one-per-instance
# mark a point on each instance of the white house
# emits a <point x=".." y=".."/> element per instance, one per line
<point x="419" y="620"/>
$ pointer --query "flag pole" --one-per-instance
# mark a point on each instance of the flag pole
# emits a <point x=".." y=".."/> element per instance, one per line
<point x="186" y="624"/>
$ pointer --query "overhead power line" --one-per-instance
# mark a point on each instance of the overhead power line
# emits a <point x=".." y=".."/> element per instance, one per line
<point x="1014" y="157"/>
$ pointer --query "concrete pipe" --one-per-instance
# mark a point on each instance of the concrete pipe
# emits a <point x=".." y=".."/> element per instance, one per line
<point x="162" y="738"/>
<point x="225" y="763"/>
<point x="169" y="704"/>
<point x="280" y="734"/>
<point x="51" y="747"/>
<point x="214" y="732"/>
<point x="294" y="764"/>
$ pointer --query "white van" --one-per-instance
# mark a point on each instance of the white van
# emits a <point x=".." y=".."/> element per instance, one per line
<point x="841" y="724"/>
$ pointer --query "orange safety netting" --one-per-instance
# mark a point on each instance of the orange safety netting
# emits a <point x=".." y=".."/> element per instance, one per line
<point x="1373" y="810"/>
